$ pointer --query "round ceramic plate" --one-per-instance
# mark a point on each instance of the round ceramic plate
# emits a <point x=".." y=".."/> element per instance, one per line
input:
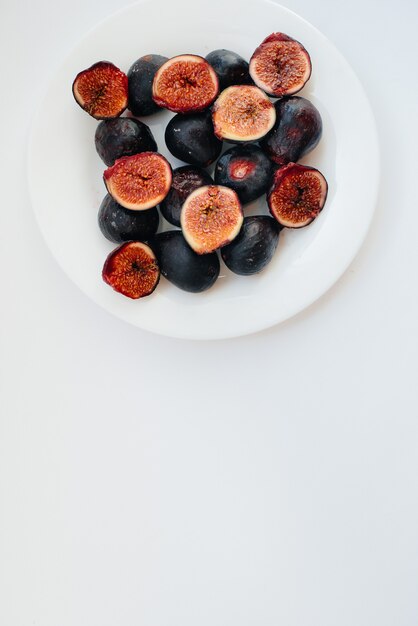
<point x="65" y="172"/>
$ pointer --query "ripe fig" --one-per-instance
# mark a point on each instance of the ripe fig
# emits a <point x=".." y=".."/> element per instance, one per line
<point x="280" y="65"/>
<point x="242" y="113"/>
<point x="140" y="181"/>
<point x="297" y="195"/>
<point x="297" y="130"/>
<point x="119" y="224"/>
<point x="185" y="84"/>
<point x="191" y="139"/>
<point x="210" y="218"/>
<point x="247" y="170"/>
<point x="185" y="180"/>
<point x="230" y="68"/>
<point x="181" y="265"/>
<point x="254" y="246"/>
<point x="101" y="90"/>
<point x="122" y="136"/>
<point x="132" y="270"/>
<point x="140" y="77"/>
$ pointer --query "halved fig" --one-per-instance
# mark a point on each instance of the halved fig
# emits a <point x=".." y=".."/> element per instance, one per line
<point x="185" y="84"/>
<point x="210" y="218"/>
<point x="185" y="180"/>
<point x="132" y="270"/>
<point x="101" y="90"/>
<point x="280" y="65"/>
<point x="140" y="181"/>
<point x="297" y="195"/>
<point x="242" y="113"/>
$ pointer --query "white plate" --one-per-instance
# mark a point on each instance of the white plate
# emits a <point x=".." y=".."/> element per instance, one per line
<point x="65" y="173"/>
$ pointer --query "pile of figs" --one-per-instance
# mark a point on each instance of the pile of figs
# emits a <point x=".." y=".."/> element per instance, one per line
<point x="217" y="99"/>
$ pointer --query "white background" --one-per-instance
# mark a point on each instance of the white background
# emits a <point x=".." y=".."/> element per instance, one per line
<point x="266" y="480"/>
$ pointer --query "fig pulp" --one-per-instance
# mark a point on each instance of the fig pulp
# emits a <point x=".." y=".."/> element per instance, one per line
<point x="140" y="77"/>
<point x="119" y="224"/>
<point x="297" y="130"/>
<point x="254" y="246"/>
<point x="230" y="68"/>
<point x="280" y="65"/>
<point x="140" y="181"/>
<point x="132" y="270"/>
<point x="242" y="113"/>
<point x="185" y="84"/>
<point x="185" y="180"/>
<point x="182" y="266"/>
<point x="191" y="139"/>
<point x="122" y="136"/>
<point x="210" y="218"/>
<point x="101" y="90"/>
<point x="247" y="170"/>
<point x="297" y="196"/>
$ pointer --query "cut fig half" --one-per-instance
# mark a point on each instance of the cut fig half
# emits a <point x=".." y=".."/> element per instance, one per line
<point x="243" y="113"/>
<point x="185" y="84"/>
<point x="280" y="65"/>
<point x="211" y="217"/>
<point x="297" y="195"/>
<point x="132" y="270"/>
<point x="139" y="182"/>
<point x="101" y="90"/>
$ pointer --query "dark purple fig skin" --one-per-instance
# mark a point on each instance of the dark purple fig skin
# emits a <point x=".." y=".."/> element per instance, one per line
<point x="181" y="265"/>
<point x="254" y="246"/>
<point x="123" y="136"/>
<point x="119" y="224"/>
<point x="247" y="170"/>
<point x="230" y="67"/>
<point x="185" y="180"/>
<point x="191" y="139"/>
<point x="140" y="77"/>
<point x="297" y="130"/>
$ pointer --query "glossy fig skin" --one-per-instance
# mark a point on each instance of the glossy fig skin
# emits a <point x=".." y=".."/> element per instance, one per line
<point x="186" y="179"/>
<point x="247" y="170"/>
<point x="230" y="68"/>
<point x="122" y="136"/>
<point x="297" y="130"/>
<point x="191" y="139"/>
<point x="140" y="77"/>
<point x="118" y="224"/>
<point x="181" y="265"/>
<point x="254" y="247"/>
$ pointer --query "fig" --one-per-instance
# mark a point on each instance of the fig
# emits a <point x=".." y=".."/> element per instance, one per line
<point x="242" y="113"/>
<point x="191" y="139"/>
<point x="122" y="136"/>
<point x="185" y="84"/>
<point x="297" y="130"/>
<point x="280" y="65"/>
<point x="297" y="195"/>
<point x="247" y="170"/>
<point x="132" y="270"/>
<point x="210" y="218"/>
<point x="119" y="224"/>
<point x="101" y="90"/>
<point x="230" y="68"/>
<point x="254" y="246"/>
<point x="140" y="77"/>
<point x="185" y="180"/>
<point x="181" y="265"/>
<point x="140" y="181"/>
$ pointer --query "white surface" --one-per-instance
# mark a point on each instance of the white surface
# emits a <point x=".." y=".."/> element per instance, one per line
<point x="259" y="481"/>
<point x="307" y="261"/>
